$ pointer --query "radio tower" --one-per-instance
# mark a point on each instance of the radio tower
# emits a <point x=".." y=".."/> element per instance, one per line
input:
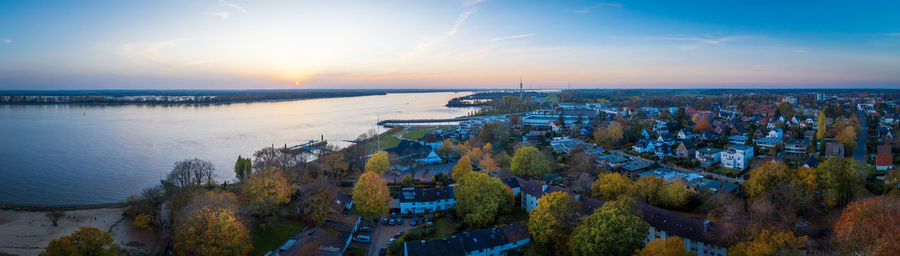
<point x="521" y="89"/>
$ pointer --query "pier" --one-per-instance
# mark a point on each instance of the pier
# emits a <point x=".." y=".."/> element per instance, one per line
<point x="408" y="122"/>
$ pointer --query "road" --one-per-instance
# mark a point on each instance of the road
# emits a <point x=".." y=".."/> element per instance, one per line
<point x="381" y="234"/>
<point x="859" y="153"/>
<point x="713" y="175"/>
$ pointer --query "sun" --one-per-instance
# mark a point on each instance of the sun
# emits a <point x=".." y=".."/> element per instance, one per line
<point x="297" y="83"/>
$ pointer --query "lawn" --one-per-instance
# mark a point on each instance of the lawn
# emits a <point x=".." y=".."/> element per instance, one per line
<point x="445" y="227"/>
<point x="727" y="171"/>
<point x="417" y="133"/>
<point x="274" y="236"/>
<point x="355" y="251"/>
<point x="388" y="140"/>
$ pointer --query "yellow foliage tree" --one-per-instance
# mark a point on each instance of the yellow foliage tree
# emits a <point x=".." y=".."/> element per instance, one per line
<point x="371" y="196"/>
<point x="212" y="230"/>
<point x="672" y="246"/>
<point x="462" y="167"/>
<point x="766" y="177"/>
<point x="552" y="221"/>
<point x="769" y="242"/>
<point x="610" y="186"/>
<point x="266" y="190"/>
<point x="488" y="164"/>
<point x="142" y="221"/>
<point x="611" y="135"/>
<point x="379" y="163"/>
<point x="84" y="241"/>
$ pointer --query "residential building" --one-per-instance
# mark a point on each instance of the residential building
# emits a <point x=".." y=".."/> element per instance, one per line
<point x="834" y="149"/>
<point x="487" y="242"/>
<point x="685" y="149"/>
<point x="701" y="237"/>
<point x="331" y="239"/>
<point x="708" y="155"/>
<point x="634" y="167"/>
<point x="796" y="147"/>
<point x="884" y="158"/>
<point x="643" y="146"/>
<point x="426" y="200"/>
<point x="738" y="139"/>
<point x="737" y="157"/>
<point x="612" y="160"/>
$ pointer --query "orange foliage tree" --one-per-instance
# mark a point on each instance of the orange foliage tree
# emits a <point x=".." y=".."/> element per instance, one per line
<point x="870" y="227"/>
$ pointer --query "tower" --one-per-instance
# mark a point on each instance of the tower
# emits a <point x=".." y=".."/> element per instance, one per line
<point x="521" y="89"/>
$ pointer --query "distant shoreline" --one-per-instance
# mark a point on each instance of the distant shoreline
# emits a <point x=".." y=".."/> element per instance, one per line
<point x="45" y="208"/>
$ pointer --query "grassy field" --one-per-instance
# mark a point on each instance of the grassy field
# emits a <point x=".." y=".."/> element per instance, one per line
<point x="275" y="235"/>
<point x="388" y="140"/>
<point x="445" y="227"/>
<point x="416" y="133"/>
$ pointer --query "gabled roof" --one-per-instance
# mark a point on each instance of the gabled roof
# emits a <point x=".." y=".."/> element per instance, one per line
<point x="883" y="160"/>
<point x="679" y="225"/>
<point x="511" y="182"/>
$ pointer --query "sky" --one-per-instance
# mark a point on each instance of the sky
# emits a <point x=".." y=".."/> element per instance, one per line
<point x="260" y="44"/>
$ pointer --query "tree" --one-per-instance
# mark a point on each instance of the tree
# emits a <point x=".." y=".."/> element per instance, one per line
<point x="488" y="164"/>
<point x="529" y="162"/>
<point x="212" y="230"/>
<point x="371" y="196"/>
<point x="840" y="181"/>
<point x="847" y="136"/>
<point x="481" y="198"/>
<point x="379" y="163"/>
<point x="820" y="133"/>
<point x="191" y="172"/>
<point x="869" y="227"/>
<point x="580" y="162"/>
<point x="55" y="215"/>
<point x="702" y="124"/>
<point x="334" y="165"/>
<point x="672" y="246"/>
<point x="143" y="221"/>
<point x="609" y="231"/>
<point x="475" y="155"/>
<point x="675" y="194"/>
<point x="242" y="167"/>
<point x="84" y="241"/>
<point x="769" y="242"/>
<point x="611" y="186"/>
<point x="407" y="181"/>
<point x="552" y="221"/>
<point x="316" y="201"/>
<point x="611" y="135"/>
<point x="266" y="190"/>
<point x="462" y="167"/>
<point x="766" y="177"/>
<point x="647" y="189"/>
<point x="446" y="148"/>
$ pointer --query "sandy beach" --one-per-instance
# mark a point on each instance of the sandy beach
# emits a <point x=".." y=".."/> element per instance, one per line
<point x="28" y="232"/>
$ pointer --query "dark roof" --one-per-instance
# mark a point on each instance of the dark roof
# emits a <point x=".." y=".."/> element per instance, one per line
<point x="680" y="225"/>
<point x="812" y="162"/>
<point x="588" y="205"/>
<point x="635" y="165"/>
<point x="533" y="187"/>
<point x="426" y="195"/>
<point x="465" y="242"/>
<point x="688" y="145"/>
<point x="408" y="148"/>
<point x="446" y="246"/>
<point x="482" y="239"/>
<point x="511" y="182"/>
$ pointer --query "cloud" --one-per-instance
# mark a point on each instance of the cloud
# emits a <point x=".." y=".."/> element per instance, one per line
<point x="472" y="2"/>
<point x="5" y="40"/>
<point x="460" y="21"/>
<point x="718" y="40"/>
<point x="597" y="6"/>
<point x="426" y="47"/>
<point x="893" y="34"/>
<point x="238" y="7"/>
<point x="511" y="37"/>
<point x="222" y="14"/>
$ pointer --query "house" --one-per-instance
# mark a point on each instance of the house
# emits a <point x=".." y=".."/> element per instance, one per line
<point x="737" y="157"/>
<point x="767" y="143"/>
<point x="738" y="139"/>
<point x="663" y="151"/>
<point x="643" y="146"/>
<point x="645" y="134"/>
<point x="612" y="160"/>
<point x="665" y="138"/>
<point x="811" y="162"/>
<point x="834" y="149"/>
<point x="433" y="140"/>
<point x="409" y="153"/>
<point x="331" y="239"/>
<point x="426" y="200"/>
<point x="513" y="184"/>
<point x="884" y="158"/>
<point x="685" y="149"/>
<point x="493" y="241"/>
<point x="634" y="167"/>
<point x="796" y="147"/>
<point x="776" y="133"/>
<point x="708" y="155"/>
<point x="533" y="190"/>
<point x="685" y="134"/>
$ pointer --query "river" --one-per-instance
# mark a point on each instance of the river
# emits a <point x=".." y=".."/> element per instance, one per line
<point x="96" y="154"/>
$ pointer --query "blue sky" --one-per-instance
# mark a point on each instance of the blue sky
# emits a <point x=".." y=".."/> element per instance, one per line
<point x="237" y="44"/>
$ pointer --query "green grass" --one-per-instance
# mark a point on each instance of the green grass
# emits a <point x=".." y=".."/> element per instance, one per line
<point x="355" y="251"/>
<point x="275" y="235"/>
<point x="417" y="133"/>
<point x="445" y="227"/>
<point x="728" y="171"/>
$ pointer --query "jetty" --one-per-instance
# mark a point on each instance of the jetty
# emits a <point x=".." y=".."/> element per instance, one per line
<point x="408" y="122"/>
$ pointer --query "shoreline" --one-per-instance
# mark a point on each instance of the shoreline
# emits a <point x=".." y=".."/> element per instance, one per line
<point x="46" y="208"/>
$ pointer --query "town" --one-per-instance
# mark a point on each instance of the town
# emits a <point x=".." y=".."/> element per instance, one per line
<point x="573" y="172"/>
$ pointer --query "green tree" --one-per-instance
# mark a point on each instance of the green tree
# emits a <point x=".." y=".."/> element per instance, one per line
<point x="242" y="167"/>
<point x="408" y="181"/>
<point x="822" y="123"/>
<point x="610" y="186"/>
<point x="481" y="198"/>
<point x="462" y="167"/>
<point x="379" y="163"/>
<point x="371" y="196"/>
<point x="529" y="162"/>
<point x="552" y="221"/>
<point x="84" y="241"/>
<point x="840" y="181"/>
<point x="672" y="246"/>
<point x="609" y="231"/>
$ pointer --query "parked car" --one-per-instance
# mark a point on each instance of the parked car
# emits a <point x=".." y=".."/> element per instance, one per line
<point x="398" y="235"/>
<point x="385" y="221"/>
<point x="390" y="241"/>
<point x="365" y="229"/>
<point x="391" y="222"/>
<point x="412" y="222"/>
<point x="362" y="239"/>
<point x="399" y="221"/>
<point x="382" y="251"/>
<point x="393" y="214"/>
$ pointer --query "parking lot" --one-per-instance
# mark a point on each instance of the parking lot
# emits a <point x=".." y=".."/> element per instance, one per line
<point x="380" y="235"/>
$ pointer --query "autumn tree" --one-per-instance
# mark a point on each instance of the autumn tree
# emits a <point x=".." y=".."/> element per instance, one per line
<point x="552" y="221"/>
<point x="462" y="167"/>
<point x="529" y="162"/>
<point x="869" y="227"/>
<point x="610" y="135"/>
<point x="580" y="162"/>
<point x="211" y="225"/>
<point x="820" y="133"/>
<point x="672" y="246"/>
<point x="334" y="165"/>
<point x="379" y="163"/>
<point x="840" y="181"/>
<point x="481" y="198"/>
<point x="765" y="177"/>
<point x="446" y="148"/>
<point x="609" y="231"/>
<point x="84" y="241"/>
<point x="611" y="186"/>
<point x="242" y="167"/>
<point x="475" y="155"/>
<point x="371" y="196"/>
<point x="191" y="172"/>
<point x="266" y="191"/>
<point x="702" y="124"/>
<point x="769" y="242"/>
<point x="407" y="181"/>
<point x="316" y="200"/>
<point x="488" y="164"/>
<point x="847" y="136"/>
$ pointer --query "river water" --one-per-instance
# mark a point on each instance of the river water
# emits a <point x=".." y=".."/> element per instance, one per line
<point x="93" y="154"/>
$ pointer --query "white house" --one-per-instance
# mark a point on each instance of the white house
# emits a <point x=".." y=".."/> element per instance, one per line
<point x="737" y="157"/>
<point x="431" y="200"/>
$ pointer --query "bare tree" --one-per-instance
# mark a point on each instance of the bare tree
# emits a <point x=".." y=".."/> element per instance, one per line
<point x="191" y="172"/>
<point x="55" y="215"/>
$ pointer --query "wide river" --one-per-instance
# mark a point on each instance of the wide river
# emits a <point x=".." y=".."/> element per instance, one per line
<point x="93" y="154"/>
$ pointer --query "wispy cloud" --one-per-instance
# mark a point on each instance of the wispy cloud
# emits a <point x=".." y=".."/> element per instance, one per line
<point x="511" y="37"/>
<point x="235" y="6"/>
<point x="598" y="6"/>
<point x="472" y="2"/>
<point x="5" y="40"/>
<point x="159" y="53"/>
<point x="460" y="21"/>
<point x="426" y="47"/>
<point x="221" y="14"/>
<point x="709" y="40"/>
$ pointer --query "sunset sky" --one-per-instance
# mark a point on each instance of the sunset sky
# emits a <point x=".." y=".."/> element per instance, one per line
<point x="252" y="44"/>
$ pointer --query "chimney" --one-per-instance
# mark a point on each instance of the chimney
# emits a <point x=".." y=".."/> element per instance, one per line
<point x="706" y="226"/>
